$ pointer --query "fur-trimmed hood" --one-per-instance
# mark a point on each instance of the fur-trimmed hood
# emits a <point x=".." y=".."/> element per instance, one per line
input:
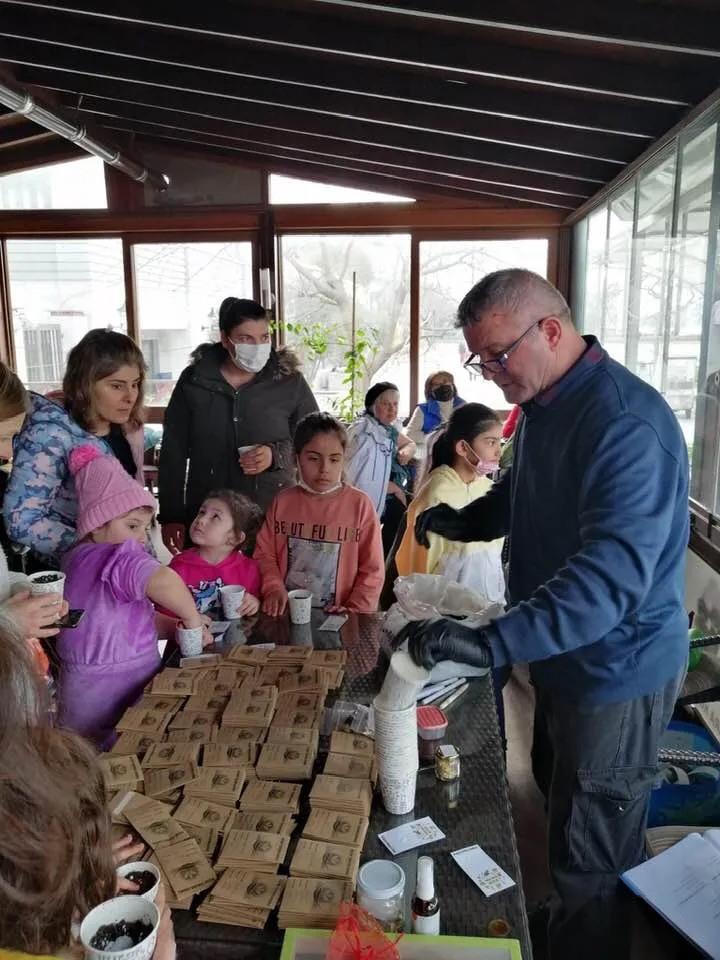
<point x="282" y="363"/>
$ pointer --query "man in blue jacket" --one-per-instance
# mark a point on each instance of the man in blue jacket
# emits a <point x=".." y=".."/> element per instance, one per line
<point x="596" y="506"/>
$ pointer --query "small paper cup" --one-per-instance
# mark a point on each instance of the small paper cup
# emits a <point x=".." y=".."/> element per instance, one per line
<point x="398" y="793"/>
<point x="231" y="598"/>
<point x="129" y="908"/>
<point x="139" y="866"/>
<point x="300" y="606"/>
<point x="243" y="450"/>
<point x="47" y="581"/>
<point x="402" y="683"/>
<point x="190" y="641"/>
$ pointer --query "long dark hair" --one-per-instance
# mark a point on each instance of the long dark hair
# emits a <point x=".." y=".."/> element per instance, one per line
<point x="466" y="423"/>
<point x="99" y="354"/>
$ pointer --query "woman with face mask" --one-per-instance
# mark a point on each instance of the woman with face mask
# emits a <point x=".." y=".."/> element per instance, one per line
<point x="441" y="398"/>
<point x="462" y="459"/>
<point x="230" y="420"/>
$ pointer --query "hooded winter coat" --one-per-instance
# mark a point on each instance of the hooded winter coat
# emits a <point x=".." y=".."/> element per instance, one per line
<point x="40" y="505"/>
<point x="207" y="420"/>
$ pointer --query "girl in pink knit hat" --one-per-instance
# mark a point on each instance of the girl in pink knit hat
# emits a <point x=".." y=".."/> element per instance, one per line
<point x="110" y="657"/>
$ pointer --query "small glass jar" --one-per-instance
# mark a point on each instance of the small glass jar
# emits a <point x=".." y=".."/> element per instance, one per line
<point x="381" y="891"/>
<point x="447" y="763"/>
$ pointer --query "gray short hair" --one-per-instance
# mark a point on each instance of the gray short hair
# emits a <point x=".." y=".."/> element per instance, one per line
<point x="508" y="291"/>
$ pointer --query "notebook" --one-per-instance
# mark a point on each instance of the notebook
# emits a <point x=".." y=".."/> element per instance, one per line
<point x="683" y="885"/>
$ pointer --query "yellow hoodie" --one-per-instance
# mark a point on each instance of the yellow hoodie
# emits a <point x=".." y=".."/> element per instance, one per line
<point x="475" y="565"/>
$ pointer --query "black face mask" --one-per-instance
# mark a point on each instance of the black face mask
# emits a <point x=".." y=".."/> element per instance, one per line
<point x="443" y="393"/>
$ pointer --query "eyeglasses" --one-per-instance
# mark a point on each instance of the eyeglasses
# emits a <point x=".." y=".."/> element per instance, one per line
<point x="498" y="364"/>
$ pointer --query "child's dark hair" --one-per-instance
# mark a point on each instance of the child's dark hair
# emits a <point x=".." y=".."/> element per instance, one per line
<point x="234" y="311"/>
<point x="247" y="517"/>
<point x="466" y="423"/>
<point x="314" y="423"/>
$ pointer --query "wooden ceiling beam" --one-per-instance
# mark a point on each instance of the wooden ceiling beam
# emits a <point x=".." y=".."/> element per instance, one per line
<point x="38" y="154"/>
<point x="413" y="48"/>
<point x="426" y="142"/>
<point x="142" y="120"/>
<point x="587" y="126"/>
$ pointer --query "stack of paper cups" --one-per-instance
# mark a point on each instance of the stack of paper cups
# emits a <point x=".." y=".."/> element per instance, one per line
<point x="403" y="682"/>
<point x="396" y="751"/>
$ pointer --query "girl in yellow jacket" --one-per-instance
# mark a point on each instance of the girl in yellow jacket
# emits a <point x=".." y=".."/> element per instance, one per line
<point x="462" y="458"/>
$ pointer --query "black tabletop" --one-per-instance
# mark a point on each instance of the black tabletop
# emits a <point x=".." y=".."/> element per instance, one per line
<point x="475" y="809"/>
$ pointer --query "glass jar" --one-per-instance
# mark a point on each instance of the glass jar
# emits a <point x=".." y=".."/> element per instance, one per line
<point x="447" y="763"/>
<point x="381" y="891"/>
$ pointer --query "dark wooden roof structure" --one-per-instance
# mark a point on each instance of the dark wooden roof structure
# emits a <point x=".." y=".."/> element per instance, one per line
<point x="502" y="102"/>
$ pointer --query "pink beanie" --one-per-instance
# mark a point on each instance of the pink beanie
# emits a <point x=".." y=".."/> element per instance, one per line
<point x="104" y="489"/>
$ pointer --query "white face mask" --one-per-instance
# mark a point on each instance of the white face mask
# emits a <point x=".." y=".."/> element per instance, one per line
<point x="316" y="493"/>
<point x="251" y="357"/>
<point x="481" y="467"/>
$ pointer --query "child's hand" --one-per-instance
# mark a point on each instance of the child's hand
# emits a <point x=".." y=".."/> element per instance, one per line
<point x="127" y="848"/>
<point x="257" y="460"/>
<point x="165" y="948"/>
<point x="275" y="602"/>
<point x="249" y="606"/>
<point x="34" y="615"/>
<point x="208" y="638"/>
<point x="334" y="608"/>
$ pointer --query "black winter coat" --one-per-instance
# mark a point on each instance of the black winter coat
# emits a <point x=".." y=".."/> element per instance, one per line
<point x="207" y="420"/>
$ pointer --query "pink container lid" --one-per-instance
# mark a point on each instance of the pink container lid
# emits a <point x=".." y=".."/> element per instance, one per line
<point x="431" y="719"/>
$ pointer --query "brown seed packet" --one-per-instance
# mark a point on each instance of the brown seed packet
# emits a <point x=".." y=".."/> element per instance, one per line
<point x="327" y="658"/>
<point x="297" y="718"/>
<point x="247" y="714"/>
<point x="298" y="736"/>
<point x="229" y="754"/>
<point x="234" y="734"/>
<point x="263" y="852"/>
<point x="172" y="900"/>
<point x="201" y="702"/>
<point x="167" y="779"/>
<point x="253" y="889"/>
<point x="312" y="902"/>
<point x="300" y="700"/>
<point x="197" y="735"/>
<point x="161" y="704"/>
<point x="267" y="822"/>
<point x="247" y="653"/>
<point x="143" y="721"/>
<point x="339" y="793"/>
<point x="201" y="661"/>
<point x="207" y="838"/>
<point x="170" y="755"/>
<point x="287" y="653"/>
<point x="309" y="680"/>
<point x="186" y="867"/>
<point x="334" y="826"/>
<point x="131" y="741"/>
<point x="204" y="813"/>
<point x="151" y="821"/>
<point x="353" y="743"/>
<point x="118" y="771"/>
<point x="220" y="784"/>
<point x="194" y="720"/>
<point x="173" y="682"/>
<point x="317" y="858"/>
<point x="285" y="761"/>
<point x="347" y="765"/>
<point x="271" y="795"/>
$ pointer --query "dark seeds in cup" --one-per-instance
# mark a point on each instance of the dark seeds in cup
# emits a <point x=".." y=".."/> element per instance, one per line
<point x="143" y="878"/>
<point x="48" y="578"/>
<point x="115" y="937"/>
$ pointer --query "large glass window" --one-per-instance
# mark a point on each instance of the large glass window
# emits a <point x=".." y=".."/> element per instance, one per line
<point x="448" y="269"/>
<point x="60" y="289"/>
<point x="180" y="287"/>
<point x="346" y="309"/>
<point x="75" y="185"/>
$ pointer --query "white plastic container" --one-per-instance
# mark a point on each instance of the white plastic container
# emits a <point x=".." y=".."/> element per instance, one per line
<point x="231" y="598"/>
<point x="190" y="641"/>
<point x="140" y="866"/>
<point x="55" y="584"/>
<point x="381" y="891"/>
<point x="129" y="908"/>
<point x="300" y="606"/>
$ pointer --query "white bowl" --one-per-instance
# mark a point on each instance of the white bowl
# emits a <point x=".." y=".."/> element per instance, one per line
<point x="128" y="908"/>
<point x="139" y="865"/>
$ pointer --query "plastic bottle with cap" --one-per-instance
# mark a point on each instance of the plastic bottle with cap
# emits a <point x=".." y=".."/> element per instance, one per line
<point x="425" y="905"/>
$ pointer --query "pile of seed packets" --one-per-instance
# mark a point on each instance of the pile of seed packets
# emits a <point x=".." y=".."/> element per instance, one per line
<point x="214" y="770"/>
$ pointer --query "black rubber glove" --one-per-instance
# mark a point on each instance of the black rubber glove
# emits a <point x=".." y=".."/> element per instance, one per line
<point x="442" y="519"/>
<point x="430" y="641"/>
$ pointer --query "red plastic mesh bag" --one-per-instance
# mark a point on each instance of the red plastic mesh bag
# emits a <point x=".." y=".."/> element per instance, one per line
<point x="358" y="936"/>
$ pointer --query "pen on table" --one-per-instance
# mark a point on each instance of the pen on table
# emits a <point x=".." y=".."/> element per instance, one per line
<point x="453" y="697"/>
<point x="439" y="694"/>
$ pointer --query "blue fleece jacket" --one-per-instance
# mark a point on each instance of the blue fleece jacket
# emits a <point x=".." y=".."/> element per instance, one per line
<point x="598" y="497"/>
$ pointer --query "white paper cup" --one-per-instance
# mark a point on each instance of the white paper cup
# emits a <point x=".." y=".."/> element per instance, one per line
<point x="231" y="598"/>
<point x="138" y="866"/>
<point x="402" y="683"/>
<point x="398" y="793"/>
<point x="56" y="585"/>
<point x="300" y="606"/>
<point x="129" y="908"/>
<point x="396" y="746"/>
<point x="190" y="641"/>
<point x="243" y="450"/>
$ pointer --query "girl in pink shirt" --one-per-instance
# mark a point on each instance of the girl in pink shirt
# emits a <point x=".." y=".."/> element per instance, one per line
<point x="226" y="521"/>
<point x="321" y="535"/>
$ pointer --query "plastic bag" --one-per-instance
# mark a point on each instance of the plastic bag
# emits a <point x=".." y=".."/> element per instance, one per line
<point x="359" y="936"/>
<point x="427" y="596"/>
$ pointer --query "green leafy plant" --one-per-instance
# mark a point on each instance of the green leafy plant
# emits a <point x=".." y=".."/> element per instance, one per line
<point x="356" y="368"/>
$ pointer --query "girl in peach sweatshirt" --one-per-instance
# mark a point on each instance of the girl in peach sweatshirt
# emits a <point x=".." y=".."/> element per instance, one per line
<point x="321" y="535"/>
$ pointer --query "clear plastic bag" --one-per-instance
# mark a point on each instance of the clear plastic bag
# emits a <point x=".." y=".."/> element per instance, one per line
<point x="427" y="596"/>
